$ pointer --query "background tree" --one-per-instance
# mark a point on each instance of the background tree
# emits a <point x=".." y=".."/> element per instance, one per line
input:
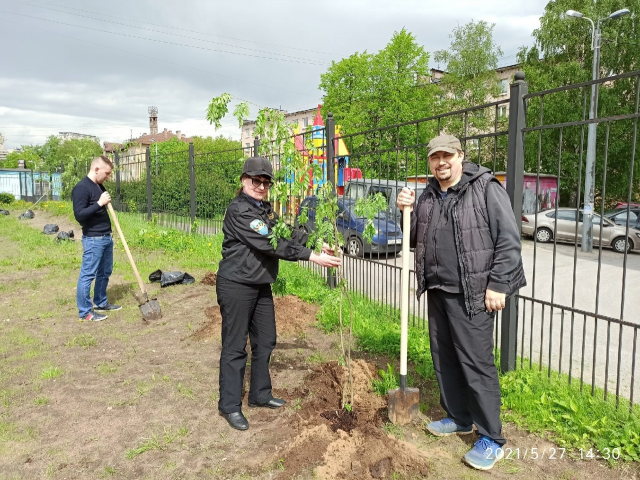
<point x="69" y="153"/>
<point x="368" y="91"/>
<point x="470" y="64"/>
<point x="217" y="164"/>
<point x="562" y="55"/>
<point x="27" y="153"/>
<point x="469" y="80"/>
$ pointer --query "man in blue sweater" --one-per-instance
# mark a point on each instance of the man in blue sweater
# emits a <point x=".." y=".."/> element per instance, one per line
<point x="90" y="201"/>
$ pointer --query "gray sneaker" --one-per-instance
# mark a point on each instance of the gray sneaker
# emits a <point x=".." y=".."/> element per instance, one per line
<point x="94" y="317"/>
<point x="447" y="426"/>
<point x="109" y="307"/>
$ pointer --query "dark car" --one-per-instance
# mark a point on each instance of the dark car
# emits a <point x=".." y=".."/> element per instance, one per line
<point x="619" y="216"/>
<point x="387" y="239"/>
<point x="365" y="187"/>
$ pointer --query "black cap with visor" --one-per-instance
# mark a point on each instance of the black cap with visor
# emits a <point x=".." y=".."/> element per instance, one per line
<point x="257" y="166"/>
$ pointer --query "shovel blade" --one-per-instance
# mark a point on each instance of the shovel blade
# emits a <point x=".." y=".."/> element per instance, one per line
<point x="404" y="405"/>
<point x="151" y="310"/>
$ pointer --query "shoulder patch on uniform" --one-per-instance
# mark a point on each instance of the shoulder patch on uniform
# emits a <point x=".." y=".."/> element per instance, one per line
<point x="259" y="226"/>
<point x="271" y="216"/>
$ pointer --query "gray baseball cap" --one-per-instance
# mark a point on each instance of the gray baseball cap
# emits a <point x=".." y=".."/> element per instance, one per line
<point x="256" y="166"/>
<point x="443" y="143"/>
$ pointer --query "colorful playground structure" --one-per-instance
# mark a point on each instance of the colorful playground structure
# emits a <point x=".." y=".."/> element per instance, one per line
<point x="316" y="154"/>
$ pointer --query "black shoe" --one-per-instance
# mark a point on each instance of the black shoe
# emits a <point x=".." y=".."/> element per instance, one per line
<point x="273" y="403"/>
<point x="109" y="307"/>
<point x="236" y="420"/>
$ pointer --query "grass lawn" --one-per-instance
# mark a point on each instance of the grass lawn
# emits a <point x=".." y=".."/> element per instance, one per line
<point x="125" y="398"/>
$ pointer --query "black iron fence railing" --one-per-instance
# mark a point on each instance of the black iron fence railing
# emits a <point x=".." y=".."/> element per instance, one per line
<point x="576" y="317"/>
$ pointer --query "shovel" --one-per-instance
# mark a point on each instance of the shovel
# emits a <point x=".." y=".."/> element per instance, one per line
<point x="404" y="403"/>
<point x="150" y="309"/>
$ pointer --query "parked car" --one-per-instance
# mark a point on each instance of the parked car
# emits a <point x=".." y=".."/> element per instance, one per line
<point x="364" y="187"/>
<point x="388" y="237"/>
<point x="563" y="226"/>
<point x="619" y="216"/>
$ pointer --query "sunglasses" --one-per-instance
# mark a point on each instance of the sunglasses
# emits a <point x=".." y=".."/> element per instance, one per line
<point x="257" y="182"/>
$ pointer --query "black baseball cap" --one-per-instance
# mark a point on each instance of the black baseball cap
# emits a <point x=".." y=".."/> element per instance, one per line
<point x="256" y="166"/>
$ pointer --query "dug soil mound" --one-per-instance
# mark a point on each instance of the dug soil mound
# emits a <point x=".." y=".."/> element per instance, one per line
<point x="292" y="317"/>
<point x="340" y="444"/>
<point x="210" y="279"/>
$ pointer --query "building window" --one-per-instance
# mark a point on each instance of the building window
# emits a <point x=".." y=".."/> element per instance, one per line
<point x="502" y="111"/>
<point x="247" y="145"/>
<point x="305" y="121"/>
<point x="503" y="86"/>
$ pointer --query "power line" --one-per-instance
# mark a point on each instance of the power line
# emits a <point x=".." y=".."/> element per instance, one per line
<point x="173" y="63"/>
<point x="189" y="31"/>
<point x="178" y="35"/>
<point x="163" y="41"/>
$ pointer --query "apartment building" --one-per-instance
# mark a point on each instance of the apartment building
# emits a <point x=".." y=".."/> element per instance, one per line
<point x="505" y="77"/>
<point x="303" y="118"/>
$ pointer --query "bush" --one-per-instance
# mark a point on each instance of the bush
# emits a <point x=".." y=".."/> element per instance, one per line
<point x="6" y="198"/>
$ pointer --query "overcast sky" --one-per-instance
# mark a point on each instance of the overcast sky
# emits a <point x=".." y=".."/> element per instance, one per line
<point x="94" y="67"/>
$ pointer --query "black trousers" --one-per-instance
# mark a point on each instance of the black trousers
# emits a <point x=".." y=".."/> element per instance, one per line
<point x="245" y="309"/>
<point x="462" y="351"/>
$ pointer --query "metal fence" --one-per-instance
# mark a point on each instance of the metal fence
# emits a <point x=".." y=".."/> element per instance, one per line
<point x="29" y="185"/>
<point x="574" y="316"/>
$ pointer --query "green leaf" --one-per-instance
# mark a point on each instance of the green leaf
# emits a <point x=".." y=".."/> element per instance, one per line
<point x="241" y="112"/>
<point x="573" y="405"/>
<point x="218" y="108"/>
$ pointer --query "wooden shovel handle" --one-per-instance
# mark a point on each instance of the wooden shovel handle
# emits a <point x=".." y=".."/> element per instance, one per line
<point x="126" y="249"/>
<point x="404" y="292"/>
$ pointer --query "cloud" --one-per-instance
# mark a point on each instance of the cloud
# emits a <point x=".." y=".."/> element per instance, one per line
<point x="100" y="79"/>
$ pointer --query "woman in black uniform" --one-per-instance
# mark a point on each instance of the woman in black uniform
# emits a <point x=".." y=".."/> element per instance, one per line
<point x="248" y="267"/>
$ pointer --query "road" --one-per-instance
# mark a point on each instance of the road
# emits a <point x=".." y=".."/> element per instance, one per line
<point x="569" y="281"/>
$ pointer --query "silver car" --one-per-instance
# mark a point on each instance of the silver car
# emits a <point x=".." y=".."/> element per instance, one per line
<point x="563" y="226"/>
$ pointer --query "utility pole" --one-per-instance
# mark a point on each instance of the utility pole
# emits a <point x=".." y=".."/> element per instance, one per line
<point x="590" y="172"/>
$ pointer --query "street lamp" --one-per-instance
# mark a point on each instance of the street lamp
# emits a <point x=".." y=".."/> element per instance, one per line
<point x="589" y="179"/>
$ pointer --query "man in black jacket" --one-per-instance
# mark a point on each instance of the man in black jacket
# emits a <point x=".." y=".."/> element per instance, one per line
<point x="90" y="201"/>
<point x="468" y="258"/>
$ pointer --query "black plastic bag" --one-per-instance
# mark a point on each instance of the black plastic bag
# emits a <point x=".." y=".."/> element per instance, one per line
<point x="4" y="212"/>
<point x="28" y="215"/>
<point x="155" y="276"/>
<point x="65" y="236"/>
<point x="171" y="278"/>
<point x="50" y="229"/>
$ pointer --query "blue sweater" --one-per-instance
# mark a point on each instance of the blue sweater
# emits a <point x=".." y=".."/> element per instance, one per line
<point x="93" y="218"/>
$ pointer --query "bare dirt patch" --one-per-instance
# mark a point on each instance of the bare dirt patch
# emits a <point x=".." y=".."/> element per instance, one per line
<point x="42" y="218"/>
<point x="347" y="444"/>
<point x="292" y="318"/>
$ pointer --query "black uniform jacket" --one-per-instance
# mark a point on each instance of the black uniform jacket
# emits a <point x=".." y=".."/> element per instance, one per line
<point x="247" y="254"/>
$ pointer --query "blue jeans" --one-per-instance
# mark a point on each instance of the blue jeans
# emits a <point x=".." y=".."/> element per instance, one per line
<point x="97" y="264"/>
